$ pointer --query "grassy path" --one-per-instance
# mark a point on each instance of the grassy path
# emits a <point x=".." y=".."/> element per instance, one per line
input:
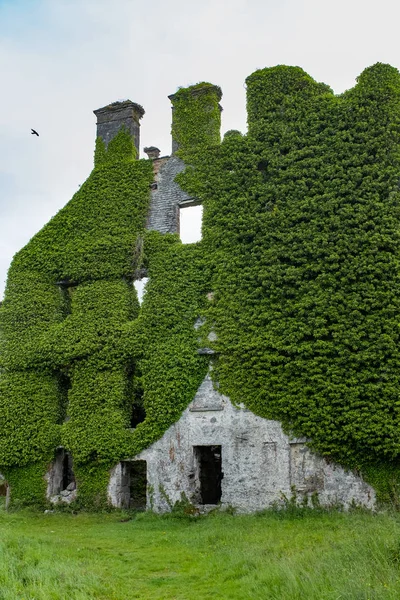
<point x="313" y="556"/>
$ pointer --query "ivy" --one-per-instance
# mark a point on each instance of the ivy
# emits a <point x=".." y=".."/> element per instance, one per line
<point x="301" y="221"/>
<point x="197" y="118"/>
<point x="171" y="367"/>
<point x="76" y="343"/>
<point x="65" y="321"/>
<point x="300" y="249"/>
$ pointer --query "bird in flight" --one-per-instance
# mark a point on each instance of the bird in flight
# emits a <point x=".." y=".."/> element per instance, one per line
<point x="33" y="132"/>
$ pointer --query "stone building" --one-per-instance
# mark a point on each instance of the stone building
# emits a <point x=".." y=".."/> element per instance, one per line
<point x="221" y="454"/>
<point x="217" y="453"/>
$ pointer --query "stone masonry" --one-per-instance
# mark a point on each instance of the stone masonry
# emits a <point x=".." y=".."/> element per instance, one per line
<point x="261" y="465"/>
<point x="167" y="196"/>
<point x="254" y="464"/>
<point x="112" y="117"/>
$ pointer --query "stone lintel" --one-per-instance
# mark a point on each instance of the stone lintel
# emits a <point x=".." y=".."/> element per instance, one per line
<point x="205" y="408"/>
<point x="189" y="202"/>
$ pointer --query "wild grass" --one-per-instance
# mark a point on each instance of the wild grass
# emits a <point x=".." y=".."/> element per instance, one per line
<point x="295" y="555"/>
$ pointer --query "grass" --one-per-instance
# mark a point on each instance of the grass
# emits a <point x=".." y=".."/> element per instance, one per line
<point x="296" y="555"/>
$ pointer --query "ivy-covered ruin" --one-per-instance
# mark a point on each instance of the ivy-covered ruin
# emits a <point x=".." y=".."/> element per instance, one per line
<point x="297" y="276"/>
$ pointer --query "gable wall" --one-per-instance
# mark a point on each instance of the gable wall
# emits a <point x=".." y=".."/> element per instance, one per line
<point x="259" y="462"/>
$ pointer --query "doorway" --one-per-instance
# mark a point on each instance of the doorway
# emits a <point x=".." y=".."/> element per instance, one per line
<point x="134" y="484"/>
<point x="209" y="473"/>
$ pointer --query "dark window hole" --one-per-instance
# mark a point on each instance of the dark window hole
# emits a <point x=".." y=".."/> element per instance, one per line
<point x="68" y="478"/>
<point x="134" y="484"/>
<point x="136" y="393"/>
<point x="209" y="468"/>
<point x="64" y="386"/>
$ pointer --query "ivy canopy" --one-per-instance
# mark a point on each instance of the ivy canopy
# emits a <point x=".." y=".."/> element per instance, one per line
<point x="301" y="249"/>
<point x="76" y="356"/>
<point x="302" y="229"/>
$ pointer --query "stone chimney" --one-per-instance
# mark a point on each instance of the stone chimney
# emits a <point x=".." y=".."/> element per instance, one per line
<point x="152" y="152"/>
<point x="213" y="92"/>
<point x="111" y="118"/>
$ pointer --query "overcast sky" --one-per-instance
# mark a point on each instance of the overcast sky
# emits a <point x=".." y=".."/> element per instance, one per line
<point x="61" y="59"/>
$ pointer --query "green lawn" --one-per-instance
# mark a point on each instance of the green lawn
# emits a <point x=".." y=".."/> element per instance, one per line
<point x="313" y="556"/>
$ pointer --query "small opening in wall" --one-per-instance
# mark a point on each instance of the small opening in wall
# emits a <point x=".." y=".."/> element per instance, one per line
<point x="64" y="386"/>
<point x="136" y="394"/>
<point x="68" y="478"/>
<point x="67" y="289"/>
<point x="140" y="287"/>
<point x="138" y="413"/>
<point x="61" y="475"/>
<point x="134" y="484"/>
<point x="209" y="468"/>
<point x="4" y="492"/>
<point x="190" y="221"/>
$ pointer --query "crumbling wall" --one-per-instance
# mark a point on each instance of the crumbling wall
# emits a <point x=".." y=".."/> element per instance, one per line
<point x="261" y="465"/>
<point x="61" y="483"/>
<point x="300" y="265"/>
<point x="166" y="196"/>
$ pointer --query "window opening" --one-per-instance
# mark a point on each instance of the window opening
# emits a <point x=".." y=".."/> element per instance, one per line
<point x="140" y="287"/>
<point x="67" y="289"/>
<point x="190" y="221"/>
<point x="134" y="484"/>
<point x="62" y="476"/>
<point x="136" y="394"/>
<point x="138" y="414"/>
<point x="4" y="492"/>
<point x="209" y="467"/>
<point x="64" y="386"/>
<point x="67" y="473"/>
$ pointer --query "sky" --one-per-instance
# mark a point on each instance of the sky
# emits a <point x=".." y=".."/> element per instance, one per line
<point x="61" y="59"/>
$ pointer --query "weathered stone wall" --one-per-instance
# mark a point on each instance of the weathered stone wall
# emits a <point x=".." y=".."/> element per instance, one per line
<point x="259" y="462"/>
<point x="111" y="118"/>
<point x="118" y="488"/>
<point x="54" y="477"/>
<point x="167" y="196"/>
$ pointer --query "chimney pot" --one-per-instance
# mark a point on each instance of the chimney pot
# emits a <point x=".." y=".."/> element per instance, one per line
<point x="152" y="152"/>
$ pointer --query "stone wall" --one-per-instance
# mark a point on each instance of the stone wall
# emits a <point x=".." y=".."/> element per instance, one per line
<point x="166" y="195"/>
<point x="112" y="117"/>
<point x="55" y="477"/>
<point x="260" y="464"/>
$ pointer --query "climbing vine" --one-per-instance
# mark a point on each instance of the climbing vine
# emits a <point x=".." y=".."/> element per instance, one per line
<point x="197" y="118"/>
<point x="75" y="349"/>
<point x="65" y="321"/>
<point x="299" y="260"/>
<point x="301" y="223"/>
